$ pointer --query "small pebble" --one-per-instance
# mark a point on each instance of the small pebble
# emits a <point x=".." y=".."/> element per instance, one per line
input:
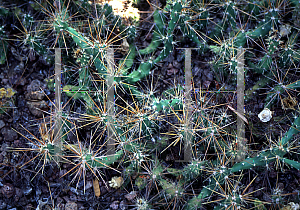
<point x="123" y="206"/>
<point x="2" y="205"/>
<point x="71" y="206"/>
<point x="8" y="190"/>
<point x="9" y="134"/>
<point x="114" y="205"/>
<point x="130" y="196"/>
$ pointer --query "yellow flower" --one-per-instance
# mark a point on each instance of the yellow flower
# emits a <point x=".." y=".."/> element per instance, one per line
<point x="7" y="93"/>
<point x="2" y="92"/>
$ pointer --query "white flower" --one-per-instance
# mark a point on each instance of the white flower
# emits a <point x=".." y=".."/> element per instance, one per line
<point x="116" y="182"/>
<point x="294" y="206"/>
<point x="285" y="30"/>
<point x="265" y="115"/>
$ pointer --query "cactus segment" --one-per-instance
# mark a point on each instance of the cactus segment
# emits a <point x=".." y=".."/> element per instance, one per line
<point x="292" y="163"/>
<point x="3" y="46"/>
<point x="292" y="132"/>
<point x="159" y="20"/>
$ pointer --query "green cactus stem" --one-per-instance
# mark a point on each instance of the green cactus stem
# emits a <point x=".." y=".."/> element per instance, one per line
<point x="159" y="20"/>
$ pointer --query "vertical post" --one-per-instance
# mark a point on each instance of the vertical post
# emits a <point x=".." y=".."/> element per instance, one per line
<point x="58" y="123"/>
<point x="110" y="104"/>
<point x="187" y="107"/>
<point x="241" y="141"/>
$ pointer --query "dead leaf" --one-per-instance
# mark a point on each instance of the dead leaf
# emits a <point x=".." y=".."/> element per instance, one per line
<point x="288" y="102"/>
<point x="238" y="114"/>
<point x="96" y="187"/>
